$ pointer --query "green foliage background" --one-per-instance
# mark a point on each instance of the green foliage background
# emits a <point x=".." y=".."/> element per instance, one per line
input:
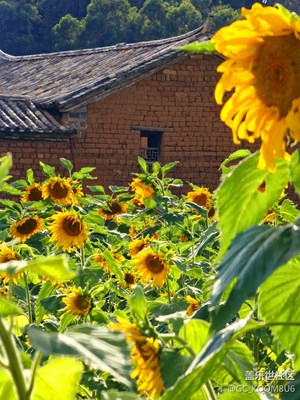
<point x="42" y="26"/>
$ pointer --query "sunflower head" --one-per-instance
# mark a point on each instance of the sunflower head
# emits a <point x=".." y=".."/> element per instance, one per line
<point x="32" y="193"/>
<point x="138" y="245"/>
<point x="113" y="210"/>
<point x="59" y="190"/>
<point x="193" y="305"/>
<point x="25" y="228"/>
<point x="151" y="266"/>
<point x="68" y="230"/>
<point x="78" y="302"/>
<point x="261" y="72"/>
<point x="141" y="191"/>
<point x="201" y="196"/>
<point x="145" y="352"/>
<point x="129" y="279"/>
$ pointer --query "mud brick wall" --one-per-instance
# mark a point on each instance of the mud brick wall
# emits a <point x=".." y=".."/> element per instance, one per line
<point x="178" y="98"/>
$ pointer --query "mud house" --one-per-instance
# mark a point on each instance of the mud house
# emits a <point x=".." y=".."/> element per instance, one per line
<point x="103" y="107"/>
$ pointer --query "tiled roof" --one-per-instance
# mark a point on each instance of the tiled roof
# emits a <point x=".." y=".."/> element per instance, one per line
<point x="66" y="79"/>
<point x="22" y="117"/>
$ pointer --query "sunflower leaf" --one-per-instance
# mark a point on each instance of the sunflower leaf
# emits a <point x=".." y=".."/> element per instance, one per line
<point x="6" y="164"/>
<point x="143" y="164"/>
<point x="240" y="201"/>
<point x="58" y="379"/>
<point x="8" y="308"/>
<point x="47" y="170"/>
<point x="96" y="346"/>
<point x="200" y="47"/>
<point x="66" y="164"/>
<point x="253" y="256"/>
<point x="278" y="303"/>
<point x="55" y="267"/>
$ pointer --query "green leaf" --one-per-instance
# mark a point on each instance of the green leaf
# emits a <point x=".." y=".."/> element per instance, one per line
<point x="205" y="363"/>
<point x="47" y="169"/>
<point x="137" y="303"/>
<point x="47" y="289"/>
<point x="97" y="189"/>
<point x="30" y="176"/>
<point x="6" y="164"/>
<point x="8" y="188"/>
<point x="288" y="211"/>
<point x="96" y="346"/>
<point x="195" y="333"/>
<point x="200" y="47"/>
<point x="295" y="170"/>
<point x="84" y="173"/>
<point x="58" y="379"/>
<point x="236" y="393"/>
<point x="251" y="259"/>
<point x="143" y="165"/>
<point x="155" y="167"/>
<point x="178" y="362"/>
<point x="294" y="386"/>
<point x="66" y="164"/>
<point x="7" y="388"/>
<point x="8" y="308"/>
<point x="113" y="264"/>
<point x="165" y="169"/>
<point x="242" y="153"/>
<point x="240" y="203"/>
<point x="55" y="267"/>
<point x="279" y="299"/>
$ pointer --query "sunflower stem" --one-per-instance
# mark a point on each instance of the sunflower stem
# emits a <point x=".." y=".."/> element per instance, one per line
<point x="14" y="361"/>
<point x="169" y="292"/>
<point x="30" y="317"/>
<point x="35" y="365"/>
<point x="81" y="267"/>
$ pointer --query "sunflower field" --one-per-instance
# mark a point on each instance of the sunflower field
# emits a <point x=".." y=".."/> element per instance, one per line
<point x="137" y="292"/>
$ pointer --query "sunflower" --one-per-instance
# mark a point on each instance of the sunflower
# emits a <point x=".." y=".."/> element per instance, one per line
<point x="262" y="67"/>
<point x="129" y="279"/>
<point x="78" y="302"/>
<point x="98" y="258"/>
<point x="200" y="196"/>
<point x="151" y="266"/>
<point x="58" y="190"/>
<point x="68" y="230"/>
<point x="113" y="209"/>
<point x="193" y="305"/>
<point x="26" y="227"/>
<point x="7" y="254"/>
<point x="145" y="357"/>
<point x="32" y="192"/>
<point x="137" y="245"/>
<point x="141" y="191"/>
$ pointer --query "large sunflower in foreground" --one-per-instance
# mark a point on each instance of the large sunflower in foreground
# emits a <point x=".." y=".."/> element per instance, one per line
<point x="262" y="70"/>
<point x="58" y="190"/>
<point x="145" y="357"/>
<point x="25" y="228"/>
<point x="32" y="192"/>
<point x="151" y="266"/>
<point x="78" y="302"/>
<point x="68" y="231"/>
<point x="200" y="196"/>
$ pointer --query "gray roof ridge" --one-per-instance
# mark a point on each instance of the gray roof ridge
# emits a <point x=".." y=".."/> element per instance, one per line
<point x="200" y="31"/>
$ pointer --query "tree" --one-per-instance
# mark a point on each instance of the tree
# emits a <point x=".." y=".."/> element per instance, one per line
<point x="155" y="13"/>
<point x="17" y="26"/>
<point x="66" y="33"/>
<point x="107" y="22"/>
<point x="183" y="18"/>
<point x="223" y="15"/>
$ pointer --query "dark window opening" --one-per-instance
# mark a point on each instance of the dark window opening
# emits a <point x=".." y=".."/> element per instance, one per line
<point x="150" y="144"/>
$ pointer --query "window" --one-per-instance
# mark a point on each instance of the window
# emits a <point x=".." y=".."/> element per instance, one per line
<point x="150" y="142"/>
